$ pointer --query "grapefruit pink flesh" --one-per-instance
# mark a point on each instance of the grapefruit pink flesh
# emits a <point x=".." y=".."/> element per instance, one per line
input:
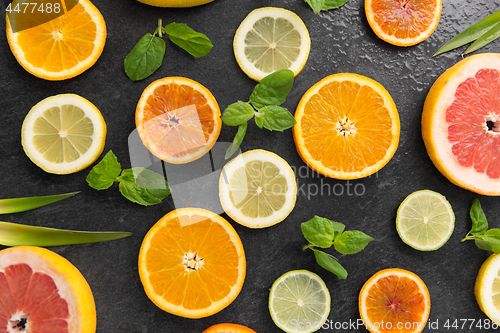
<point x="30" y="302"/>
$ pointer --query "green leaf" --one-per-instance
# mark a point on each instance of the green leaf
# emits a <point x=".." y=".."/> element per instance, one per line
<point x="16" y="205"/>
<point x="333" y="4"/>
<point x="485" y="39"/>
<point x="316" y="5"/>
<point x="237" y="113"/>
<point x="103" y="175"/>
<point x="470" y="34"/>
<point x="489" y="241"/>
<point x="318" y="231"/>
<point x="274" y="118"/>
<point x="330" y="264"/>
<point x="143" y="186"/>
<point x="273" y="89"/>
<point x="145" y="58"/>
<point x="238" y="139"/>
<point x="12" y="234"/>
<point x="350" y="242"/>
<point x="195" y="43"/>
<point x="338" y="229"/>
<point x="479" y="222"/>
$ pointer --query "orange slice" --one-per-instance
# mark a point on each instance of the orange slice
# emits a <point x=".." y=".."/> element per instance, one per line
<point x="394" y="300"/>
<point x="178" y="119"/>
<point x="461" y="124"/>
<point x="228" y="328"/>
<point x="192" y="263"/>
<point x="43" y="292"/>
<point x="403" y="22"/>
<point x="63" y="47"/>
<point x="347" y="126"/>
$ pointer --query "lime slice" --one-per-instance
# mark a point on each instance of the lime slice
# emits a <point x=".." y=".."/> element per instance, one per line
<point x="487" y="287"/>
<point x="257" y="189"/>
<point x="425" y="220"/>
<point x="299" y="301"/>
<point x="63" y="134"/>
<point x="270" y="39"/>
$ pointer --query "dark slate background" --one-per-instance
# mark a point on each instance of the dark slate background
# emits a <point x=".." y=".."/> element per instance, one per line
<point x="341" y="41"/>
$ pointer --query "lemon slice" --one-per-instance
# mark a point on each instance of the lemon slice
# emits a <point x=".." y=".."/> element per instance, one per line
<point x="63" y="134"/>
<point x="270" y="39"/>
<point x="425" y="220"/>
<point x="299" y="301"/>
<point x="257" y="189"/>
<point x="487" y="288"/>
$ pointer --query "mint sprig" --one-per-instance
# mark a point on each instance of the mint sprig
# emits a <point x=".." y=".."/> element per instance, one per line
<point x="325" y="5"/>
<point x="485" y="239"/>
<point x="323" y="233"/>
<point x="139" y="185"/>
<point x="147" y="55"/>
<point x="264" y="103"/>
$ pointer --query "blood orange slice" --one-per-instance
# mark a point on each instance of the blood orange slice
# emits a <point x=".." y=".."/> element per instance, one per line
<point x="461" y="124"/>
<point x="41" y="292"/>
<point x="394" y="300"/>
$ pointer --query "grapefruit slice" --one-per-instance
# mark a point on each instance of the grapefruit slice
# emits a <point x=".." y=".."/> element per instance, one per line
<point x="461" y="124"/>
<point x="40" y="292"/>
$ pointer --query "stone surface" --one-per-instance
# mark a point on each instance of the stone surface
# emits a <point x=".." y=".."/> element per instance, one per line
<point x="342" y="41"/>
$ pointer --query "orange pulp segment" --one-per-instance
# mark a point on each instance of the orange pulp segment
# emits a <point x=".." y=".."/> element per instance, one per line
<point x="347" y="126"/>
<point x="63" y="47"/>
<point x="192" y="263"/>
<point x="178" y="119"/>
<point x="394" y="300"/>
<point x="228" y="328"/>
<point x="403" y="22"/>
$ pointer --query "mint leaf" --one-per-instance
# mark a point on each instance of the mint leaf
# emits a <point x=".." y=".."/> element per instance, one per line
<point x="143" y="186"/>
<point x="350" y="242"/>
<point x="479" y="222"/>
<point x="145" y="58"/>
<point x="104" y="173"/>
<point x="195" y="43"/>
<point x="237" y="114"/>
<point x="318" y="5"/>
<point x="273" y="89"/>
<point x="330" y="264"/>
<point x="274" y="118"/>
<point x="238" y="139"/>
<point x="318" y="231"/>
<point x="490" y="241"/>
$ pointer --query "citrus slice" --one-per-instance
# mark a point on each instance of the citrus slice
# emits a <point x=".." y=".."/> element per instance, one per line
<point x="257" y="189"/>
<point x="63" y="47"/>
<point x="228" y="328"/>
<point x="461" y="124"/>
<point x="299" y="302"/>
<point x="394" y="300"/>
<point x="178" y="119"/>
<point x="403" y="22"/>
<point x="347" y="126"/>
<point x="487" y="287"/>
<point x="175" y="3"/>
<point x="43" y="292"/>
<point x="192" y="263"/>
<point x="63" y="134"/>
<point x="425" y="220"/>
<point x="270" y="39"/>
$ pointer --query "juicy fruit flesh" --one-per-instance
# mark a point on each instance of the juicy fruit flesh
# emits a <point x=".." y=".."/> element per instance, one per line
<point x="343" y="119"/>
<point x="299" y="297"/>
<point x="177" y="120"/>
<point x="473" y="121"/>
<point x="31" y="300"/>
<point x="272" y="44"/>
<point x="200" y="269"/>
<point x="403" y="18"/>
<point x="396" y="299"/>
<point x="495" y="290"/>
<point x="60" y="44"/>
<point x="258" y="189"/>
<point x="63" y="134"/>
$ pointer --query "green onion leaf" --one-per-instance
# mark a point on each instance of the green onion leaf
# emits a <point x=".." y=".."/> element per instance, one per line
<point x="470" y="34"/>
<point x="13" y="234"/>
<point x="16" y="205"/>
<point x="488" y="37"/>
